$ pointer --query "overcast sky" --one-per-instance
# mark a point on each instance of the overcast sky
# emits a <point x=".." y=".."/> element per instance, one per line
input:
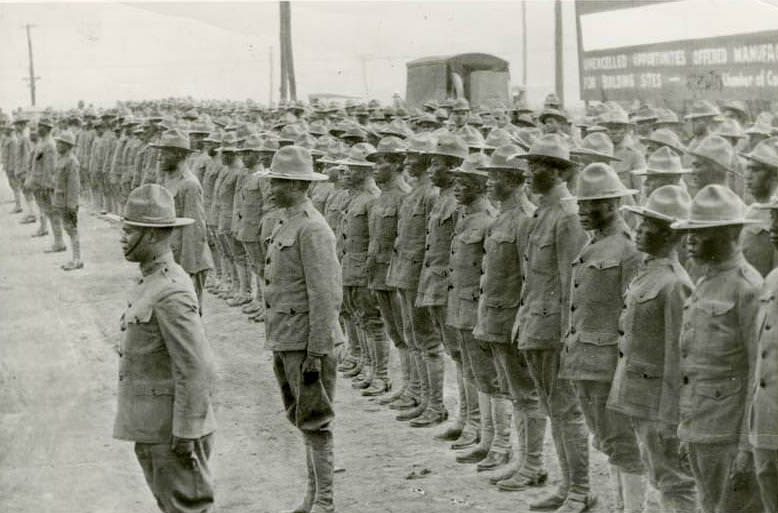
<point x="101" y="52"/>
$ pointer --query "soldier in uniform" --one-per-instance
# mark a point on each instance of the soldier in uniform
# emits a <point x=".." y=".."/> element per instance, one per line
<point x="618" y="125"/>
<point x="718" y="353"/>
<point x="701" y="116"/>
<point x="222" y="203"/>
<point x="601" y="273"/>
<point x="646" y="382"/>
<point x="166" y="366"/>
<point x="67" y="191"/>
<point x="21" y="160"/>
<point x="555" y="238"/>
<point x="761" y="182"/>
<point x="41" y="178"/>
<point x="213" y="167"/>
<point x="497" y="306"/>
<point x="389" y="157"/>
<point x="711" y="162"/>
<point x="663" y="167"/>
<point x="763" y="397"/>
<point x="404" y="270"/>
<point x="7" y="152"/>
<point x="303" y="297"/>
<point x="189" y="244"/>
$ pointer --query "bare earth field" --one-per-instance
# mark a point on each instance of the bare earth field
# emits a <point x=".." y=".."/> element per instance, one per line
<point x="57" y="400"/>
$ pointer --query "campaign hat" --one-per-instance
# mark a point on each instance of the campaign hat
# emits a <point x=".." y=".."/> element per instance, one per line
<point x="293" y="163"/>
<point x="600" y="181"/>
<point x="668" y="203"/>
<point x="663" y="161"/>
<point x="713" y="206"/>
<point x="152" y="206"/>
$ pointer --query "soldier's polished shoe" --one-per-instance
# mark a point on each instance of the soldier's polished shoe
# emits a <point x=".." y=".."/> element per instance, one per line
<point x="503" y="474"/>
<point x="238" y="301"/>
<point x="493" y="460"/>
<point x="346" y="365"/>
<point x="39" y="234"/>
<point x="576" y="506"/>
<point x="550" y="503"/>
<point x="55" y="249"/>
<point x="518" y="482"/>
<point x="451" y="433"/>
<point x="28" y="219"/>
<point x="251" y="308"/>
<point x="17" y="210"/>
<point x="430" y="418"/>
<point x="390" y="398"/>
<point x="72" y="266"/>
<point x="474" y="455"/>
<point x="377" y="387"/>
<point x="411" y="414"/>
<point x="353" y="372"/>
<point x="466" y="439"/>
<point x="403" y="403"/>
<point x="258" y="317"/>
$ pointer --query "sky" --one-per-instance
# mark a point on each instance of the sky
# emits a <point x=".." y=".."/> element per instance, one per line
<point x="101" y="52"/>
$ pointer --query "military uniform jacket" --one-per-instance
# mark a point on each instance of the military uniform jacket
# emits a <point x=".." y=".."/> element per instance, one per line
<point x="166" y="371"/>
<point x="718" y="351"/>
<point x="355" y="233"/>
<point x="67" y="184"/>
<point x="631" y="159"/>
<point x="189" y="243"/>
<point x="601" y="275"/>
<point x="251" y="206"/>
<point x="129" y="162"/>
<point x="334" y="206"/>
<point x="409" y="246"/>
<point x="237" y="201"/>
<point x="209" y="185"/>
<point x="117" y="161"/>
<point x="84" y="147"/>
<point x="224" y="196"/>
<point x="44" y="160"/>
<point x="647" y="381"/>
<point x="109" y="141"/>
<point x="320" y="191"/>
<point x="10" y="149"/>
<point x="95" y="154"/>
<point x="555" y="238"/>
<point x="303" y="286"/>
<point x="755" y="241"/>
<point x="198" y="164"/>
<point x="383" y="232"/>
<point x="23" y="156"/>
<point x="501" y="277"/>
<point x="433" y="281"/>
<point x="763" y="414"/>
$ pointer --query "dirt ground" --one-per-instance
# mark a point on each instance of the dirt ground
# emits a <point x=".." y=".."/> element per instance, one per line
<point x="58" y="373"/>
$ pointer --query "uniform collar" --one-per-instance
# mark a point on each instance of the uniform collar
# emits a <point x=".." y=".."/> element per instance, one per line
<point x="304" y="207"/>
<point x="555" y="195"/>
<point x="618" y="227"/>
<point x="719" y="267"/>
<point x="478" y="205"/>
<point x="651" y="261"/>
<point x="164" y="260"/>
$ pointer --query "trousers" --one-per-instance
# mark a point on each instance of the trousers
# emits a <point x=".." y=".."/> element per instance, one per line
<point x="478" y="363"/>
<point x="711" y="464"/>
<point x="177" y="487"/>
<point x="308" y="405"/>
<point x="765" y="463"/>
<point x="513" y="374"/>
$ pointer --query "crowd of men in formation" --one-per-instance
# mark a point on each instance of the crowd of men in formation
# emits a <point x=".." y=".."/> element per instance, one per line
<point x="609" y="277"/>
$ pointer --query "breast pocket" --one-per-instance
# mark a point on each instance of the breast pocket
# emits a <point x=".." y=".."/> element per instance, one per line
<point x="720" y="404"/>
<point x="603" y="280"/>
<point x="543" y="256"/>
<point x="642" y="385"/>
<point x="717" y="325"/>
<point x="143" y="335"/>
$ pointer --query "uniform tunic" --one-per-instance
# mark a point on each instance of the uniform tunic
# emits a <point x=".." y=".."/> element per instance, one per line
<point x="434" y="278"/>
<point x="755" y="241"/>
<point x="250" y="207"/>
<point x="356" y="238"/>
<point x="67" y="185"/>
<point x="631" y="159"/>
<point x="383" y="232"/>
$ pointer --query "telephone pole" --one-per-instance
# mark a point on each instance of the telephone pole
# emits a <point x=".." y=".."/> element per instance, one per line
<point x="287" y="56"/>
<point x="559" y="52"/>
<point x="32" y="78"/>
<point x="270" y="94"/>
<point x="524" y="43"/>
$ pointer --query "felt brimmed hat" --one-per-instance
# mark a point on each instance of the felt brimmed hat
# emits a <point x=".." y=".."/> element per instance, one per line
<point x="429" y="119"/>
<point x="152" y="206"/>
<point x="450" y="145"/>
<point x="702" y="109"/>
<point x="714" y="206"/>
<point x="730" y="128"/>
<point x="290" y="133"/>
<point x="553" y="113"/>
<point x="47" y="122"/>
<point x="616" y="117"/>
<point x="354" y="131"/>
<point x="715" y="149"/>
<point x="229" y="143"/>
<point x="357" y="156"/>
<point x="597" y="145"/>
<point x="736" y="106"/>
<point x="645" y="114"/>
<point x="173" y="139"/>
<point x="389" y="145"/>
<point x="549" y="147"/>
<point x="666" y="117"/>
<point x="294" y="163"/>
<point x="600" y="181"/>
<point x="760" y="129"/>
<point x="253" y="143"/>
<point x="497" y="137"/>
<point x="473" y="165"/>
<point x="665" y="137"/>
<point x="765" y="153"/>
<point x="668" y="203"/>
<point x="505" y="158"/>
<point x="472" y="137"/>
<point x="525" y="120"/>
<point x="460" y="104"/>
<point x="663" y="161"/>
<point x="421" y="143"/>
<point x="66" y="137"/>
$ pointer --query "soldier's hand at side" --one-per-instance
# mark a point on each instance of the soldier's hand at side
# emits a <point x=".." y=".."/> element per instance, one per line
<point x="184" y="449"/>
<point x="740" y="468"/>
<point x="683" y="457"/>
<point x="311" y="369"/>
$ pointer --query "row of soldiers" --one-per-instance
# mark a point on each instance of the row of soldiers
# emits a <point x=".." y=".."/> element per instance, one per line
<point x="549" y="306"/>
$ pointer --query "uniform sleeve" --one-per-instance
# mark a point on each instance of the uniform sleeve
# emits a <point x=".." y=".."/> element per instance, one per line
<point x="324" y="286"/>
<point x="74" y="185"/>
<point x="191" y="359"/>
<point x="748" y="308"/>
<point x="570" y="239"/>
<point x="629" y="268"/>
<point x="674" y="297"/>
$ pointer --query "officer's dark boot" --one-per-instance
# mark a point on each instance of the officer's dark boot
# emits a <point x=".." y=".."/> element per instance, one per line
<point x="479" y="452"/>
<point x="435" y="412"/>
<point x="321" y="443"/>
<point x="531" y="471"/>
<point x="454" y="428"/>
<point x="471" y="432"/>
<point x="500" y="450"/>
<point x="405" y="372"/>
<point x="380" y="384"/>
<point x="310" y="489"/>
<point x="424" y="398"/>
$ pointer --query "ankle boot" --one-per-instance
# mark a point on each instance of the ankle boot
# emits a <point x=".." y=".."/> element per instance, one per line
<point x="500" y="449"/>
<point x="471" y="432"/>
<point x="405" y="373"/>
<point x="322" y="451"/>
<point x="633" y="488"/>
<point x="454" y="429"/>
<point x="380" y="384"/>
<point x="363" y="379"/>
<point x="532" y="432"/>
<point x="421" y="369"/>
<point x="480" y="451"/>
<point x="617" y="498"/>
<point x="310" y="489"/>
<point x="436" y="411"/>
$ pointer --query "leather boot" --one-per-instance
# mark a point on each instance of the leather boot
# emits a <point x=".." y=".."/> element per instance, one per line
<point x="353" y="357"/>
<point x="633" y="488"/>
<point x="380" y="384"/>
<point x="480" y="451"/>
<point x="363" y="379"/>
<point x="404" y="371"/>
<point x="251" y="308"/>
<point x="322" y="451"/>
<point x="436" y="411"/>
<point x="471" y="432"/>
<point x="454" y="429"/>
<point x="616" y="488"/>
<point x="413" y="413"/>
<point x="500" y="450"/>
<point x="56" y="227"/>
<point x="532" y="471"/>
<point x="310" y="489"/>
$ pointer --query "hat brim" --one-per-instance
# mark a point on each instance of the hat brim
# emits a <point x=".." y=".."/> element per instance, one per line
<point x="647" y="212"/>
<point x="311" y="177"/>
<point x="374" y="155"/>
<point x="502" y="168"/>
<point x="678" y="149"/>
<point x="700" y="156"/>
<point x="613" y="195"/>
<point x="72" y="143"/>
<point x="165" y="146"/>
<point x="596" y="154"/>
<point x="753" y="158"/>
<point x="355" y="163"/>
<point x="538" y="156"/>
<point x="697" y="225"/>
<point x="698" y="116"/>
<point x="472" y="172"/>
<point x="646" y="171"/>
<point x="179" y="221"/>
<point x="434" y="153"/>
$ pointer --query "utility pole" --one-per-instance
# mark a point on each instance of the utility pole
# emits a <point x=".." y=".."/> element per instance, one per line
<point x="363" y="59"/>
<point x="270" y="93"/>
<point x="559" y="51"/>
<point x="282" y="37"/>
<point x="524" y="43"/>
<point x="32" y="78"/>
<point x="287" y="55"/>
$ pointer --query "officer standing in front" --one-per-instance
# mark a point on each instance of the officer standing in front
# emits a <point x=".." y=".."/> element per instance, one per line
<point x="166" y="366"/>
<point x="303" y="294"/>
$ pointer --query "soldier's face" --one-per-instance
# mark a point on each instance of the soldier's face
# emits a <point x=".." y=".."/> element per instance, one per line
<point x="250" y="158"/>
<point x="43" y="130"/>
<point x="596" y="214"/>
<point x="700" y="126"/>
<point x="644" y="128"/>
<point x="652" y="235"/>
<point x="387" y="166"/>
<point x="543" y="177"/>
<point x="708" y="245"/>
<point x="551" y="125"/>
<point x="653" y="182"/>
<point x="135" y="242"/>
<point x="468" y="188"/>
<point x="283" y="193"/>
<point x="439" y="172"/>
<point x="459" y="117"/>
<point x="415" y="164"/>
<point x="266" y="158"/>
<point x="705" y="173"/>
<point x="760" y="180"/>
<point x="355" y="176"/>
<point x="774" y="227"/>
<point x="228" y="157"/>
<point x="617" y="133"/>
<point x="169" y="159"/>
<point x="500" y="185"/>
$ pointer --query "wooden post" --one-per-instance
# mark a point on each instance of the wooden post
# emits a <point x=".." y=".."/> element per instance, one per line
<point x="558" y="52"/>
<point x="32" y="77"/>
<point x="286" y="21"/>
<point x="270" y="92"/>
<point x="524" y="43"/>
<point x="282" y="37"/>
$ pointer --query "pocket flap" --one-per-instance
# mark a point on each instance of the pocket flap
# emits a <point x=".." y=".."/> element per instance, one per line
<point x="285" y="242"/>
<point x="598" y="339"/>
<point x="647" y="294"/>
<point x="646" y="370"/>
<point x="472" y="236"/>
<point x="138" y="314"/>
<point x="469" y="293"/>
<point x="716" y="307"/>
<point x="604" y="264"/>
<point x="719" y="389"/>
<point x="503" y="237"/>
<point x="290" y="308"/>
